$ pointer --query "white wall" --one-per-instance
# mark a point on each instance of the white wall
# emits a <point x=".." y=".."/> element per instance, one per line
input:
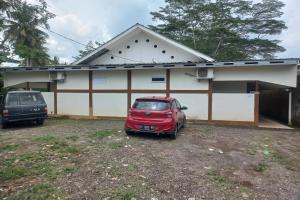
<point x="114" y="105"/>
<point x="282" y="75"/>
<point x="15" y="78"/>
<point x="180" y="79"/>
<point x="233" y="107"/>
<point x="110" y="80"/>
<point x="142" y="79"/>
<point x="49" y="99"/>
<point x="143" y="52"/>
<point x="73" y="104"/>
<point x="197" y="105"/>
<point x="75" y="80"/>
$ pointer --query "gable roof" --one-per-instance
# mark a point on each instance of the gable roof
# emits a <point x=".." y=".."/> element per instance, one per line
<point x="103" y="48"/>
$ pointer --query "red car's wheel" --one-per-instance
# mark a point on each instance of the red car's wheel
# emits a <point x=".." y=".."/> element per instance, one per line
<point x="174" y="134"/>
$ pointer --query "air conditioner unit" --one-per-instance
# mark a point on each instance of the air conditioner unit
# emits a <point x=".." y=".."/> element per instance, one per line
<point x="204" y="73"/>
<point x="57" y="76"/>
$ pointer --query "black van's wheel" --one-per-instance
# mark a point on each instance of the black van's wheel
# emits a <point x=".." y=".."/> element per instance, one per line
<point x="4" y="125"/>
<point x="174" y="134"/>
<point x="40" y="121"/>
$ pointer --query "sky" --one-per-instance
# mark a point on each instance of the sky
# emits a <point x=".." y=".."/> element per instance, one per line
<point x="100" y="20"/>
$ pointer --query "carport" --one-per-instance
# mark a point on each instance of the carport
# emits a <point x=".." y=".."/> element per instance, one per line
<point x="275" y="103"/>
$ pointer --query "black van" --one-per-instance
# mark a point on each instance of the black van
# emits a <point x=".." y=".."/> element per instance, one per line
<point x="18" y="106"/>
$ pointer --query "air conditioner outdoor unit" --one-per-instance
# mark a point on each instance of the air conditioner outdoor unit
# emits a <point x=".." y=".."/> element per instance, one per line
<point x="204" y="73"/>
<point x="57" y="76"/>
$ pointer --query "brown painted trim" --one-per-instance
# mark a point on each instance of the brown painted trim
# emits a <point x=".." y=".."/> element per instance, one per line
<point x="167" y="82"/>
<point x="55" y="96"/>
<point x="110" y="91"/>
<point x="72" y="91"/>
<point x="222" y="122"/>
<point x="210" y="91"/>
<point x="90" y="93"/>
<point x="256" y="104"/>
<point x="190" y="91"/>
<point x="132" y="91"/>
<point x="232" y="123"/>
<point x="148" y="91"/>
<point x="86" y="117"/>
<point x="129" y="91"/>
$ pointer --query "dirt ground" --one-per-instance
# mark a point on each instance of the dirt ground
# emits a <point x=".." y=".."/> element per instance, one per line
<point x="94" y="159"/>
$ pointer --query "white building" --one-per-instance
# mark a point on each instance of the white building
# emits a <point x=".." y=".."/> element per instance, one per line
<point x="140" y="62"/>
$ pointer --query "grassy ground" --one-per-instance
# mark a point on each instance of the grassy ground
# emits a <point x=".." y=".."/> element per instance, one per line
<point x="93" y="159"/>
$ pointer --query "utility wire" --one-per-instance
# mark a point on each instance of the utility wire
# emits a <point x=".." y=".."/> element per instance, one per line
<point x="72" y="40"/>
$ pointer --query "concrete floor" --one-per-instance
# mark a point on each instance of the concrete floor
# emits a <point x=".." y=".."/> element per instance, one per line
<point x="270" y="123"/>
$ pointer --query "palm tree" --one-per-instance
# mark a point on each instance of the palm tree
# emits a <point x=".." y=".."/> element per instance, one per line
<point x="23" y="30"/>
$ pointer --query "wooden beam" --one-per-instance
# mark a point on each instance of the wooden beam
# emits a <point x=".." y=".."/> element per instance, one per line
<point x="256" y="104"/>
<point x="128" y="89"/>
<point x="168" y="82"/>
<point x="210" y="92"/>
<point x="90" y="93"/>
<point x="55" y="96"/>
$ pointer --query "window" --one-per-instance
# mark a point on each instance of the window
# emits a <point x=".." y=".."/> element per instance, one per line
<point x="31" y="99"/>
<point x="12" y="99"/>
<point x="158" y="79"/>
<point x="151" y="105"/>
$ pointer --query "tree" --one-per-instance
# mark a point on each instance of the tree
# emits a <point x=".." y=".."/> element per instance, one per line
<point x="223" y="29"/>
<point x="22" y="25"/>
<point x="89" y="48"/>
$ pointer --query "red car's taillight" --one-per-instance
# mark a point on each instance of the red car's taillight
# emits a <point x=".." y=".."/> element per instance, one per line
<point x="170" y="114"/>
<point x="46" y="109"/>
<point x="5" y="113"/>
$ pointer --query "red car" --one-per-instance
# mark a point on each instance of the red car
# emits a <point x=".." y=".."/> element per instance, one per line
<point x="161" y="115"/>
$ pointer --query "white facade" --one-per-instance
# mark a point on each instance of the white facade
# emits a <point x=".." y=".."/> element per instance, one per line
<point x="108" y="91"/>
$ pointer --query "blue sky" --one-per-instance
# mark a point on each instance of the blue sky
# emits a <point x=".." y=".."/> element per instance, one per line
<point x="85" y="20"/>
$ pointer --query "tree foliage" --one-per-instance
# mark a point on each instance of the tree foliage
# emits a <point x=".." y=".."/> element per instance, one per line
<point x="224" y="29"/>
<point x="21" y="25"/>
<point x="89" y="48"/>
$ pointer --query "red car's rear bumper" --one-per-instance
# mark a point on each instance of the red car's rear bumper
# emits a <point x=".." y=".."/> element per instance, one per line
<point x="159" y="126"/>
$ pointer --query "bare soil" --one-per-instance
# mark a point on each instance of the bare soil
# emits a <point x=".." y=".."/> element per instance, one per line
<point x="95" y="159"/>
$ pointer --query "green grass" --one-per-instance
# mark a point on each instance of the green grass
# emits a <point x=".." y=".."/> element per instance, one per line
<point x="57" y="144"/>
<point x="261" y="167"/>
<point x="222" y="181"/>
<point x="73" y="138"/>
<point x="9" y="147"/>
<point x="39" y="192"/>
<point x="102" y="134"/>
<point x="69" y="169"/>
<point x="28" y="164"/>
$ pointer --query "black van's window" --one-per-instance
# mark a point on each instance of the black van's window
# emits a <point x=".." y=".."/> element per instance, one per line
<point x="1" y="99"/>
<point x="31" y="99"/>
<point x="12" y="100"/>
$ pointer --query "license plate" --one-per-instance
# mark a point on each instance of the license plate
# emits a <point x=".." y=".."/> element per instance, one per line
<point x="147" y="128"/>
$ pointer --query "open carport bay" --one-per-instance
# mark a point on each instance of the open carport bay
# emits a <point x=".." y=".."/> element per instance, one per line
<point x="94" y="159"/>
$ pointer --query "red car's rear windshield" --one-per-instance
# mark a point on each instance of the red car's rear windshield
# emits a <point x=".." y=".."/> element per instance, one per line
<point x="151" y="105"/>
